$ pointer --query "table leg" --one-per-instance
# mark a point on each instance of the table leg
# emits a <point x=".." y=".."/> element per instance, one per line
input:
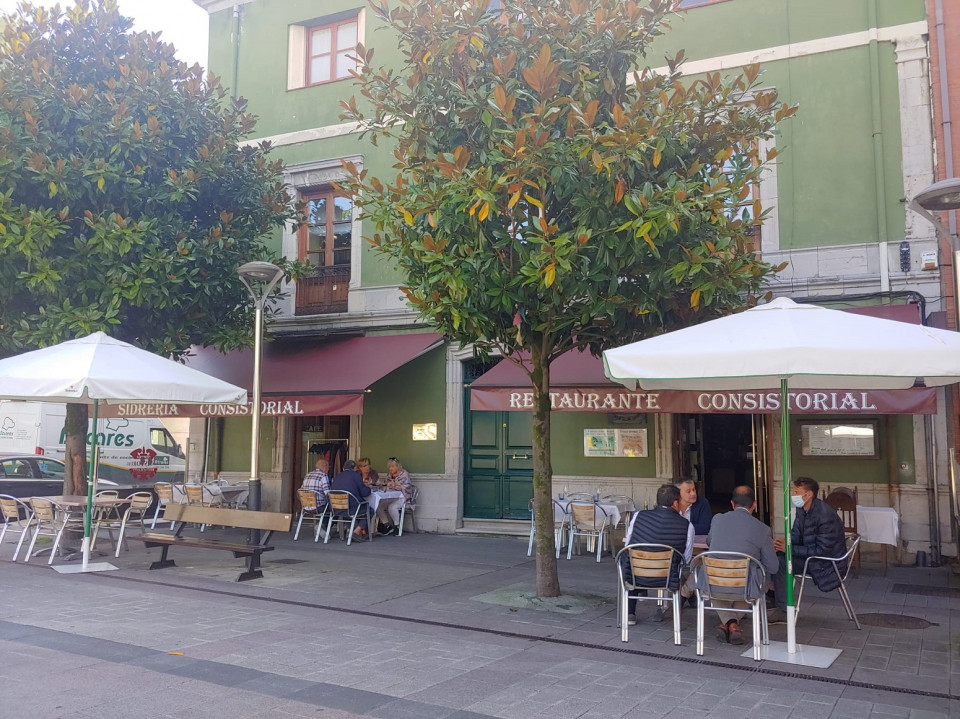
<point x="883" y="558"/>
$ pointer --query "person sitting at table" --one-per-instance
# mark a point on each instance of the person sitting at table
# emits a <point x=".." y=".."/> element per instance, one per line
<point x="817" y="531"/>
<point x="739" y="531"/>
<point x="661" y="525"/>
<point x="388" y="511"/>
<point x="369" y="474"/>
<point x="694" y="508"/>
<point x="318" y="482"/>
<point x="350" y="480"/>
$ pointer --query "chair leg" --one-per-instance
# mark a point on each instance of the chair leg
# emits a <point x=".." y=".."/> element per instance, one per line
<point x="123" y="527"/>
<point x="23" y="535"/>
<point x="599" y="544"/>
<point x="33" y="541"/>
<point x="699" y="625"/>
<point x="571" y="536"/>
<point x="156" y="513"/>
<point x="757" y="632"/>
<point x="329" y="527"/>
<point x="353" y="523"/>
<point x="529" y="544"/>
<point x="296" y="534"/>
<point x="622" y="604"/>
<point x="403" y="515"/>
<point x="763" y="620"/>
<point x="796" y="607"/>
<point x="56" y="544"/>
<point x="676" y="617"/>
<point x="848" y="605"/>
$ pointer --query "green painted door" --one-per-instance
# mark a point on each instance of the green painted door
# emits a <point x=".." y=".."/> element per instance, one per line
<point x="498" y="465"/>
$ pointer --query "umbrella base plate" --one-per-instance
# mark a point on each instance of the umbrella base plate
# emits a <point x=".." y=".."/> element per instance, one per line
<point x="79" y="569"/>
<point x="806" y="655"/>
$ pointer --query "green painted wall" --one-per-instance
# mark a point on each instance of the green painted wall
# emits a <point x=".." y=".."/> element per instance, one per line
<point x="236" y="444"/>
<point x="896" y="447"/>
<point x="567" y="448"/>
<point x="413" y="394"/>
<point x="827" y="169"/>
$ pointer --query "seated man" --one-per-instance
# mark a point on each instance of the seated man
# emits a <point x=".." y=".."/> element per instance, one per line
<point x="318" y="482"/>
<point x="661" y="525"/>
<point x="740" y="531"/>
<point x="817" y="531"/>
<point x="350" y="480"/>
<point x="694" y="508"/>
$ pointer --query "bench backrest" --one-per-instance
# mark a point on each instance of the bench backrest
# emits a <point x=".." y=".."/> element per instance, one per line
<point x="243" y="518"/>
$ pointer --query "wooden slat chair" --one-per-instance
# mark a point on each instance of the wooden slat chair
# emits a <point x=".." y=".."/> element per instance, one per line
<point x="164" y="492"/>
<point x="50" y="520"/>
<point x="137" y="511"/>
<point x="311" y="510"/>
<point x="844" y="501"/>
<point x="194" y="494"/>
<point x="729" y="577"/>
<point x="654" y="562"/>
<point x="588" y="520"/>
<point x="835" y="563"/>
<point x="340" y="512"/>
<point x="17" y="517"/>
<point x="559" y="510"/>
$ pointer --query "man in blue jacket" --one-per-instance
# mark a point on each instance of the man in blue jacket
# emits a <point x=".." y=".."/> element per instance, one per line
<point x="695" y="509"/>
<point x="350" y="480"/>
<point x="817" y="531"/>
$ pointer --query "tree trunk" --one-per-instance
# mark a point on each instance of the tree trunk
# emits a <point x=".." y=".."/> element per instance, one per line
<point x="548" y="583"/>
<point x="75" y="449"/>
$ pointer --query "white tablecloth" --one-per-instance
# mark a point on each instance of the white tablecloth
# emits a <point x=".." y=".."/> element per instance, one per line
<point x="229" y="493"/>
<point x="614" y="511"/>
<point x="376" y="497"/>
<point x="878" y="524"/>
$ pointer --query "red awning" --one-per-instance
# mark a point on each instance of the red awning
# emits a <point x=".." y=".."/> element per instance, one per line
<point x="326" y="378"/>
<point x="578" y="384"/>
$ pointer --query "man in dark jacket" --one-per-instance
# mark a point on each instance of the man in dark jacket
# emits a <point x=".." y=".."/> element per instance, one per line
<point x="350" y="480"/>
<point x="695" y="508"/>
<point x="817" y="532"/>
<point x="661" y="525"/>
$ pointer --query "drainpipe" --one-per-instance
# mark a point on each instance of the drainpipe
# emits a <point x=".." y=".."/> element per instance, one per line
<point x="945" y="122"/>
<point x="877" y="126"/>
<point x="236" y="52"/>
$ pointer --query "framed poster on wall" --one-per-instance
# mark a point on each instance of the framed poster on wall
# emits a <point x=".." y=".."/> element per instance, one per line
<point x="839" y="439"/>
<point x="615" y="443"/>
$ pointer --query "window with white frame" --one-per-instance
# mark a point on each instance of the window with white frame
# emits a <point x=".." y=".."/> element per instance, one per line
<point x="324" y="49"/>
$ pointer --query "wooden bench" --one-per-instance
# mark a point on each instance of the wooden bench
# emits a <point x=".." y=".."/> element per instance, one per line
<point x="241" y="518"/>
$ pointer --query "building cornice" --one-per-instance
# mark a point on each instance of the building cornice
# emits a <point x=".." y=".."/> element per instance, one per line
<point x="212" y="6"/>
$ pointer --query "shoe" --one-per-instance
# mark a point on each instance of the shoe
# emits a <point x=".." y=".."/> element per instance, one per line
<point x="776" y="616"/>
<point x="631" y="620"/>
<point x="691" y="601"/>
<point x="660" y="615"/>
<point x="390" y="532"/>
<point x="722" y="634"/>
<point x="384" y="531"/>
<point x="734" y="633"/>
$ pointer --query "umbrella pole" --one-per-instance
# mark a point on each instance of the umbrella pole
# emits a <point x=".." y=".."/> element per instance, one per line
<point x="85" y="546"/>
<point x="787" y="546"/>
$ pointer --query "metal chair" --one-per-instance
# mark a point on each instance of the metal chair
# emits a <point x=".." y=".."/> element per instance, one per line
<point x="311" y="510"/>
<point x="164" y="492"/>
<point x="340" y="512"/>
<point x="587" y="520"/>
<point x="412" y="505"/>
<point x="731" y="577"/>
<point x="657" y="565"/>
<point x="17" y="517"/>
<point x="194" y="494"/>
<point x="559" y="510"/>
<point x="842" y="588"/>
<point x="51" y="521"/>
<point x="137" y="510"/>
<point x="844" y="502"/>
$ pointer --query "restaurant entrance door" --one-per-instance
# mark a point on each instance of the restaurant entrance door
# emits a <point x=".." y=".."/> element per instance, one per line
<point x="722" y="451"/>
<point x="498" y="464"/>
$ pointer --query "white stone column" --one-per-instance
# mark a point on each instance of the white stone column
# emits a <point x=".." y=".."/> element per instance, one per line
<point x="916" y="126"/>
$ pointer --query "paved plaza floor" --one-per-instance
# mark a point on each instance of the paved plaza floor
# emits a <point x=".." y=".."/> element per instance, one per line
<point x="432" y="626"/>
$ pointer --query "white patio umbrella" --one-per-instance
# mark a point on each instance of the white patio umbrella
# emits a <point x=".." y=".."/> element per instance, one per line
<point x="98" y="368"/>
<point x="781" y="343"/>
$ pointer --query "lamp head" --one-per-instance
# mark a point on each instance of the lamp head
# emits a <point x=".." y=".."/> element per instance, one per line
<point x="940" y="196"/>
<point x="259" y="278"/>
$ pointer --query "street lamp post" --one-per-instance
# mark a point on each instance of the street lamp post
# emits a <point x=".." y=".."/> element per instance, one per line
<point x="942" y="196"/>
<point x="259" y="278"/>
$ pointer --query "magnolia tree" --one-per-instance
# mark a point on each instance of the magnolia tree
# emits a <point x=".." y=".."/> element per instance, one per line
<point x="554" y="193"/>
<point x="126" y="199"/>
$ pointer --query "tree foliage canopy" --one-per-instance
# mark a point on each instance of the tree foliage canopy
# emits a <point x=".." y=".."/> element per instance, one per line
<point x="126" y="199"/>
<point x="550" y="188"/>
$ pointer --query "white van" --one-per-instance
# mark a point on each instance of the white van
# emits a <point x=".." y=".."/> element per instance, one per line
<point x="136" y="452"/>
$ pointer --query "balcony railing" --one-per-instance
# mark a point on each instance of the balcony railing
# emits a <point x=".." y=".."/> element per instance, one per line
<point x="324" y="292"/>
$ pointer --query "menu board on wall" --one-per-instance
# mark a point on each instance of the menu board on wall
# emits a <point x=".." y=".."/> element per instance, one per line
<point x="615" y="443"/>
<point x="848" y="439"/>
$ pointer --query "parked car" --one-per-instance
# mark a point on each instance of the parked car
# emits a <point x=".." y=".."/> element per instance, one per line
<point x="34" y="475"/>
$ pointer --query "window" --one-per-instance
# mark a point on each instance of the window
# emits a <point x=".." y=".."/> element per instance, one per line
<point x="329" y="49"/>
<point x="326" y="237"/>
<point x="322" y="50"/>
<point x="326" y="242"/>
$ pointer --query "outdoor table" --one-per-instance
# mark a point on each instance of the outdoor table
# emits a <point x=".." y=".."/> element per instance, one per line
<point x="373" y="501"/>
<point x="614" y="510"/>
<point x="233" y="494"/>
<point x="880" y="525"/>
<point x="79" y="501"/>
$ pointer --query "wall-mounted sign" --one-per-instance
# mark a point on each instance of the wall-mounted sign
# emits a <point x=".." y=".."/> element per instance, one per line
<point x="838" y="439"/>
<point x="615" y="443"/>
<point x="425" y="432"/>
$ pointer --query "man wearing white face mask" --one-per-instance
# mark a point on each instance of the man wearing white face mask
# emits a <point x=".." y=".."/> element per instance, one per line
<point x="817" y="531"/>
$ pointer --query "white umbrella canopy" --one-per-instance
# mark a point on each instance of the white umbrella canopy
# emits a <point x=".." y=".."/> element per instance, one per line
<point x="783" y="344"/>
<point x="816" y="348"/>
<point x="98" y="368"/>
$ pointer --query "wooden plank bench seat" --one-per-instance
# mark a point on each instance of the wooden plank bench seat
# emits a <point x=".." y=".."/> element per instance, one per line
<point x="184" y="514"/>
